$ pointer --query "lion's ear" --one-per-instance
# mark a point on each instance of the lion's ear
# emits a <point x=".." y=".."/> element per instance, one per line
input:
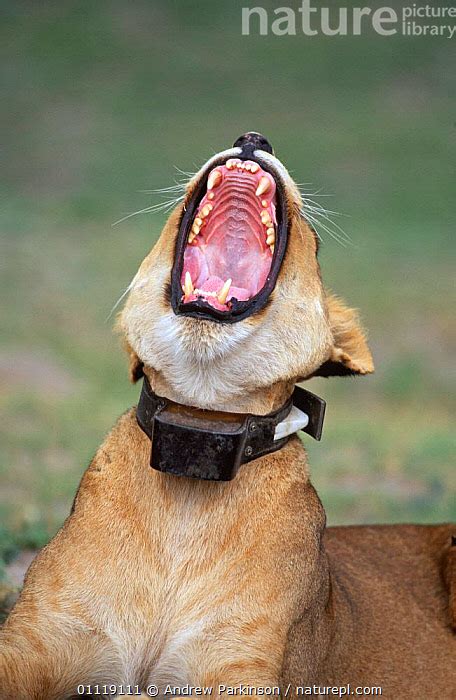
<point x="135" y="366"/>
<point x="350" y="353"/>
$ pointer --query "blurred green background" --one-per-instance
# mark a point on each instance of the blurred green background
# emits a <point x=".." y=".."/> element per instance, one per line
<point x="105" y="99"/>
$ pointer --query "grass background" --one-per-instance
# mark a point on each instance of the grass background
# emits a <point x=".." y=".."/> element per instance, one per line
<point x="104" y="99"/>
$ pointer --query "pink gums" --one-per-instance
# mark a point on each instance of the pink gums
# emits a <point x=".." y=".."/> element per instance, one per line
<point x="231" y="242"/>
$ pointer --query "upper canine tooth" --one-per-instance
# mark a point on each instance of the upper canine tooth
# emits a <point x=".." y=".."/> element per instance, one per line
<point x="263" y="186"/>
<point x="223" y="293"/>
<point x="214" y="179"/>
<point x="188" y="284"/>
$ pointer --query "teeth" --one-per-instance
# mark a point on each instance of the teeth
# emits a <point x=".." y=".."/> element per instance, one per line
<point x="264" y="202"/>
<point x="272" y="248"/>
<point x="270" y="240"/>
<point x="188" y="284"/>
<point x="223" y="293"/>
<point x="195" y="229"/>
<point x="231" y="163"/>
<point x="265" y="218"/>
<point x="206" y="210"/>
<point x="211" y="195"/>
<point x="214" y="179"/>
<point x="198" y="222"/>
<point x="263" y="186"/>
<point x="254" y="168"/>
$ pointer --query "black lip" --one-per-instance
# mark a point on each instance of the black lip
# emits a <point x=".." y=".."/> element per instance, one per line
<point x="239" y="309"/>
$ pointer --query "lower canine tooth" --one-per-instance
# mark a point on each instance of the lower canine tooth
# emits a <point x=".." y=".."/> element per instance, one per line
<point x="263" y="186"/>
<point x="223" y="293"/>
<point x="214" y="179"/>
<point x="188" y="284"/>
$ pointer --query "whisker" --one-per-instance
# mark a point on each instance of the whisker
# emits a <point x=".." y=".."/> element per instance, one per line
<point x="317" y="224"/>
<point x="185" y="173"/>
<point x="178" y="187"/>
<point x="310" y="204"/>
<point x="152" y="209"/>
<point x="327" y="218"/>
<point x="122" y="297"/>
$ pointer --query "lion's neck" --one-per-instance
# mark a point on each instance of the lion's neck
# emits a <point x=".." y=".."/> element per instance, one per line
<point x="207" y="394"/>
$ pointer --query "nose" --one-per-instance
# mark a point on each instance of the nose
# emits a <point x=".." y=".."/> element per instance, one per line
<point x="251" y="141"/>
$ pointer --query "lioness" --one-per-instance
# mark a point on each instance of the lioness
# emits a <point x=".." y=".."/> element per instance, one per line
<point x="208" y="570"/>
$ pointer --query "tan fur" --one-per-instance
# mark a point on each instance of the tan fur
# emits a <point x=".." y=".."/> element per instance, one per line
<point x="159" y="579"/>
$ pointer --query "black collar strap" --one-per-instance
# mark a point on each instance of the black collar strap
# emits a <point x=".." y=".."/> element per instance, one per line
<point x="212" y="445"/>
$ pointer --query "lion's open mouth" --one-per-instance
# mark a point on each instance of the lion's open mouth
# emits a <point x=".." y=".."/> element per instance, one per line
<point x="228" y="242"/>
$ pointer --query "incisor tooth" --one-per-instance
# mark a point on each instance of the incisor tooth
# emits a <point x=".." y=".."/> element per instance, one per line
<point x="223" y="293"/>
<point x="255" y="167"/>
<point x="188" y="284"/>
<point x="263" y="186"/>
<point x="214" y="179"/>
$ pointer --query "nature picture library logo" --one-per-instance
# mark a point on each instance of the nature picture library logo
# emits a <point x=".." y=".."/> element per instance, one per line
<point x="412" y="20"/>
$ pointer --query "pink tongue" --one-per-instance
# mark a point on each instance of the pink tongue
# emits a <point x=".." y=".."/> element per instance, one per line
<point x="233" y="254"/>
<point x="214" y="284"/>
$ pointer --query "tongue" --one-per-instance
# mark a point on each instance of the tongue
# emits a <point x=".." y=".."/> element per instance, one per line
<point x="233" y="253"/>
<point x="214" y="284"/>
